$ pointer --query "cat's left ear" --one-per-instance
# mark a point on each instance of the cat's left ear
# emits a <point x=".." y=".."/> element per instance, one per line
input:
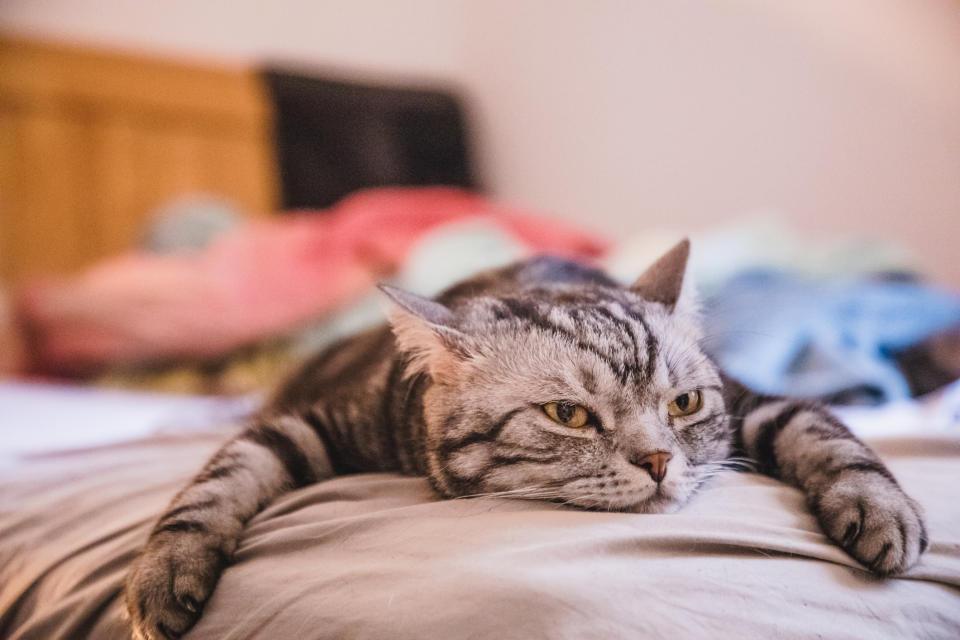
<point x="663" y="281"/>
<point x="426" y="332"/>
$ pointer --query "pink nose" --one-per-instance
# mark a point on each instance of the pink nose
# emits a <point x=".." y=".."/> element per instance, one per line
<point x="656" y="464"/>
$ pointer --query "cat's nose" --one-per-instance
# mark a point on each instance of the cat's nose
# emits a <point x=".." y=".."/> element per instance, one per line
<point x="655" y="463"/>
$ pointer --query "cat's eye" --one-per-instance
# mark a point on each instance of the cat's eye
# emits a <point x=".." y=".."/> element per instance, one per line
<point x="685" y="404"/>
<point x="566" y="413"/>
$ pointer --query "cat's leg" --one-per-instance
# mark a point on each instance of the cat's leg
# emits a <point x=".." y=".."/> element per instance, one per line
<point x="192" y="542"/>
<point x="857" y="500"/>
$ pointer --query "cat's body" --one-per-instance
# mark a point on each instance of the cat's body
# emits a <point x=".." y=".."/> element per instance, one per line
<point x="542" y="380"/>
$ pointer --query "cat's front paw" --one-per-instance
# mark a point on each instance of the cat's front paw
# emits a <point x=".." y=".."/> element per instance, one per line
<point x="873" y="520"/>
<point x="170" y="582"/>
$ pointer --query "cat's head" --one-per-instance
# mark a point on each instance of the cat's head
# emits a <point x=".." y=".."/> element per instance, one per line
<point x="594" y="395"/>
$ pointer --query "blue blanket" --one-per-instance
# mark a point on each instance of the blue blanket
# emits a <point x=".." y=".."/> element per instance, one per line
<point x="783" y="334"/>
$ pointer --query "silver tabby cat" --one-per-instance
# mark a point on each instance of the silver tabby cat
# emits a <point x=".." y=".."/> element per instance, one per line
<point x="543" y="380"/>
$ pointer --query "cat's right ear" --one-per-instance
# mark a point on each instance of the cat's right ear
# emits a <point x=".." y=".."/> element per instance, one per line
<point x="425" y="331"/>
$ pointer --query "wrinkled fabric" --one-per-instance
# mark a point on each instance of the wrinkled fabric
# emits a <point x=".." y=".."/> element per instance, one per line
<point x="378" y="556"/>
<point x="268" y="278"/>
<point x="784" y="334"/>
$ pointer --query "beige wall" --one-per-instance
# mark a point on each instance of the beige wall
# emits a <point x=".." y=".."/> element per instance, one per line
<point x="417" y="37"/>
<point x="841" y="116"/>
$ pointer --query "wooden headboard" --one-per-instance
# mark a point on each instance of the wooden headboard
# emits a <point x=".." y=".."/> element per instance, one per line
<point x="91" y="141"/>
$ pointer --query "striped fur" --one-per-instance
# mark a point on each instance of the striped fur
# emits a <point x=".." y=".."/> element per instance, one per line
<point x="455" y="391"/>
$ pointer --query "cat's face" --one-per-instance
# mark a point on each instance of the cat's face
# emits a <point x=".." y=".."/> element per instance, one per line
<point x="591" y="396"/>
<point x="589" y="404"/>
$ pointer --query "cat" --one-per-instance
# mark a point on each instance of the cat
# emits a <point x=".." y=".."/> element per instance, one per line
<point x="542" y="380"/>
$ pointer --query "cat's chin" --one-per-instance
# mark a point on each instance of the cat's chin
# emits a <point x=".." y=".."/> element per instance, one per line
<point x="656" y="502"/>
<point x="667" y="499"/>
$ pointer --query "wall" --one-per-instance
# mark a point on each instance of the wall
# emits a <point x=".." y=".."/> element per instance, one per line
<point x="410" y="37"/>
<point x="841" y="116"/>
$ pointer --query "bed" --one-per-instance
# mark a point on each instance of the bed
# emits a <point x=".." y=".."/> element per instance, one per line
<point x="379" y="556"/>
<point x="85" y="472"/>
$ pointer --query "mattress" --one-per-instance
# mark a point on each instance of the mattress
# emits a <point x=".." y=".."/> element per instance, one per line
<point x="379" y="556"/>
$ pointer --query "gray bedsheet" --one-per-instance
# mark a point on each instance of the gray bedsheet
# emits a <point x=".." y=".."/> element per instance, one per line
<point x="377" y="556"/>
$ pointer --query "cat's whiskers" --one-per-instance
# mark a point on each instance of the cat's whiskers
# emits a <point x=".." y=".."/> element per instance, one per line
<point x="589" y="501"/>
<point x="522" y="493"/>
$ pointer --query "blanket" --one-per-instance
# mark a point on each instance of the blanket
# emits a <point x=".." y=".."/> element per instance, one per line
<point x="379" y="556"/>
<point x="262" y="280"/>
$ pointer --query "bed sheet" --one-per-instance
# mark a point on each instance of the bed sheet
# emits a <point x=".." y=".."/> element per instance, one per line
<point x="37" y="418"/>
<point x="378" y="556"/>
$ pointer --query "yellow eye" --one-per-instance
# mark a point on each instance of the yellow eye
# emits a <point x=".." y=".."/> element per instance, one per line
<point x="686" y="404"/>
<point x="566" y="413"/>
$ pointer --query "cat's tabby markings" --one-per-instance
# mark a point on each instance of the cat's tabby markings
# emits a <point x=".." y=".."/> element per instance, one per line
<point x="544" y="380"/>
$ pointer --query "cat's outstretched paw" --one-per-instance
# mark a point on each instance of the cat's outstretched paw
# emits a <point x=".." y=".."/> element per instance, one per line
<point x="170" y="582"/>
<point x="874" y="521"/>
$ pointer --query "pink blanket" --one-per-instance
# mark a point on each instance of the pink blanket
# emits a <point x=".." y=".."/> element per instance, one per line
<point x="266" y="279"/>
